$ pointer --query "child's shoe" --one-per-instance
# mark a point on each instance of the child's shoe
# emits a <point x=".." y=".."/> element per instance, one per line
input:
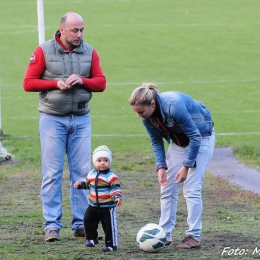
<point x="91" y="243"/>
<point x="109" y="249"/>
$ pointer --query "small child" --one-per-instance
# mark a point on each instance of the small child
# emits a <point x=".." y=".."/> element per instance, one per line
<point x="104" y="196"/>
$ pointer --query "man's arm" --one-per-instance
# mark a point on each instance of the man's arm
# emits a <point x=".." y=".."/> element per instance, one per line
<point x="32" y="80"/>
<point x="97" y="80"/>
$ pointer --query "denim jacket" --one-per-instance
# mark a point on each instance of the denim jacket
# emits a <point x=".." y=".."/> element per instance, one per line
<point x="182" y="114"/>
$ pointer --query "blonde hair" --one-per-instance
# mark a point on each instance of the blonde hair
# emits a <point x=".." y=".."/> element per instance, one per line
<point x="144" y="95"/>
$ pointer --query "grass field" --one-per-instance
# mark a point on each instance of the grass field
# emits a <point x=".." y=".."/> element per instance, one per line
<point x="207" y="49"/>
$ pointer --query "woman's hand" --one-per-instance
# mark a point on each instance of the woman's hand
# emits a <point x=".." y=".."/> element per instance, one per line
<point x="162" y="177"/>
<point x="181" y="175"/>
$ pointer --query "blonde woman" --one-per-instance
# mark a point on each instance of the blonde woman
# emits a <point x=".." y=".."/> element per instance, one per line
<point x="188" y="127"/>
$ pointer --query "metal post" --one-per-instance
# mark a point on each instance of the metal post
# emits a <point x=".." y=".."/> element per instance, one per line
<point x="1" y="131"/>
<point x="41" y="27"/>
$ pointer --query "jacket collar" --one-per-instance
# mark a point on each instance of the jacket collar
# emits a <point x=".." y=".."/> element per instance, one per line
<point x="105" y="171"/>
<point x="59" y="45"/>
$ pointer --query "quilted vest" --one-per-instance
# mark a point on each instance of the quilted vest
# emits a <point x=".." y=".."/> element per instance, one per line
<point x="60" y="64"/>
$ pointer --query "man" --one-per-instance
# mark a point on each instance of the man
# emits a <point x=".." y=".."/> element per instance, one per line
<point x="65" y="71"/>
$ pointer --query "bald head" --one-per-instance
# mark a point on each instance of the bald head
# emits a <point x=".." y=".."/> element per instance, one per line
<point x="71" y="29"/>
<point x="70" y="17"/>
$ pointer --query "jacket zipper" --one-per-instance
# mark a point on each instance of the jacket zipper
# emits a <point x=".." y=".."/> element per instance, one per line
<point x="159" y="124"/>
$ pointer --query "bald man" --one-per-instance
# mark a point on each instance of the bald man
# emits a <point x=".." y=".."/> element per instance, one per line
<point x="65" y="71"/>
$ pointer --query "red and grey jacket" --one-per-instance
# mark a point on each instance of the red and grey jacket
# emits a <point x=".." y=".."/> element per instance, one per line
<point x="51" y="62"/>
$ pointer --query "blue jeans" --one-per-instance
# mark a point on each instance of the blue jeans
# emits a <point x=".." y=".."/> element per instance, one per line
<point x="191" y="188"/>
<point x="60" y="135"/>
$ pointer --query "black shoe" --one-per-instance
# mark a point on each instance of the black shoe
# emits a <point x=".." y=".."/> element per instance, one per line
<point x="109" y="249"/>
<point x="91" y="243"/>
<point x="80" y="232"/>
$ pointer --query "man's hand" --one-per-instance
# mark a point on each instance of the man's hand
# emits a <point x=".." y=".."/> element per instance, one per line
<point x="181" y="175"/>
<point x="73" y="80"/>
<point x="62" y="85"/>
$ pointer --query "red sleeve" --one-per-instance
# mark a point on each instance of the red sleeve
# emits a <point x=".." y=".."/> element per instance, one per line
<point x="32" y="79"/>
<point x="33" y="82"/>
<point x="97" y="80"/>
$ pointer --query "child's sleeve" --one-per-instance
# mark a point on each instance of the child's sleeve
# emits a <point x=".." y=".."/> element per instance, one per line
<point x="83" y="185"/>
<point x="115" y="189"/>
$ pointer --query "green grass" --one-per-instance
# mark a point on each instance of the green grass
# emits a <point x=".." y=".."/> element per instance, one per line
<point x="207" y="49"/>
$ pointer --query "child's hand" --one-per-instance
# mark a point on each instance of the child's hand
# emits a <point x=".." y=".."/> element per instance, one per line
<point x="118" y="202"/>
<point x="77" y="184"/>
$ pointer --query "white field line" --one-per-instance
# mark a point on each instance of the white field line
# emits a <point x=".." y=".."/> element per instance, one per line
<point x="140" y="25"/>
<point x="35" y="27"/>
<point x="142" y="135"/>
<point x="247" y="133"/>
<point x="183" y="82"/>
<point x="7" y="117"/>
<point x="14" y="4"/>
<point x="162" y="83"/>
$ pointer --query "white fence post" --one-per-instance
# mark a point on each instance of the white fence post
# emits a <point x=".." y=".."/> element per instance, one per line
<point x="41" y="26"/>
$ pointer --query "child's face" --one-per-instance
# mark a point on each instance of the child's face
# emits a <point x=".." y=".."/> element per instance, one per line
<point x="102" y="164"/>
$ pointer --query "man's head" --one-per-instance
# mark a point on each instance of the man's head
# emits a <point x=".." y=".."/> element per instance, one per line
<point x="71" y="29"/>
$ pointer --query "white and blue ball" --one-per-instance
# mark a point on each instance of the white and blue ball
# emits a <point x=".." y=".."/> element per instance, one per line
<point x="151" y="238"/>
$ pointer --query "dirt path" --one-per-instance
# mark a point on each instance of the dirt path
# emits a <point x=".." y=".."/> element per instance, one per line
<point x="225" y="165"/>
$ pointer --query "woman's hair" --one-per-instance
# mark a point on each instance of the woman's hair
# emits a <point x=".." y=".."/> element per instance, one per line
<point x="144" y="95"/>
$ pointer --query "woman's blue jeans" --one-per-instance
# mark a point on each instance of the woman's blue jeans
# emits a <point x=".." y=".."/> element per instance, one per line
<point x="191" y="188"/>
<point x="60" y="135"/>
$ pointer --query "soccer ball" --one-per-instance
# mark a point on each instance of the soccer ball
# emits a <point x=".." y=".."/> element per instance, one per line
<point x="151" y="238"/>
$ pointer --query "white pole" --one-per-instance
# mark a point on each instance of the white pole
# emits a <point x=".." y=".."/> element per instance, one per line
<point x="41" y="27"/>
<point x="0" y="112"/>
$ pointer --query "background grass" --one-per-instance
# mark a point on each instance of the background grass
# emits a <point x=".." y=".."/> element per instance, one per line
<point x="207" y="49"/>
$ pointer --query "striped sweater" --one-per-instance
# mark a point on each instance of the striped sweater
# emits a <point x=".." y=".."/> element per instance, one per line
<point x="104" y="188"/>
